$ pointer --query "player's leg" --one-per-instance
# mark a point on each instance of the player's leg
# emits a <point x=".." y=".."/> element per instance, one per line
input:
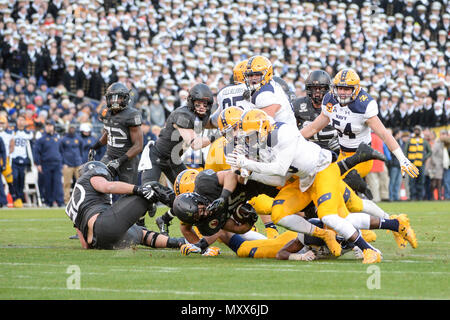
<point x="330" y="209"/>
<point x="263" y="207"/>
<point x="112" y="224"/>
<point x="8" y="174"/>
<point x="399" y="224"/>
<point x="361" y="160"/>
<point x="289" y="201"/>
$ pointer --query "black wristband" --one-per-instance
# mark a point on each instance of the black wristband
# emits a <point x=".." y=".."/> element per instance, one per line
<point x="225" y="194"/>
<point x="97" y="145"/>
<point x="212" y="138"/>
<point x="202" y="244"/>
<point x="135" y="189"/>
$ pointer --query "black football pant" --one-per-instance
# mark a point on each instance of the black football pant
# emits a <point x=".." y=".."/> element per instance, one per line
<point x="115" y="227"/>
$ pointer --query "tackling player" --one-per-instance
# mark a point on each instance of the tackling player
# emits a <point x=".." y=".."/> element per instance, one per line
<point x="183" y="127"/>
<point x="102" y="225"/>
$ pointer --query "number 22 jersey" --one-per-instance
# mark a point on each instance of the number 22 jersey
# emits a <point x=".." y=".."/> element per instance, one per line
<point x="350" y="120"/>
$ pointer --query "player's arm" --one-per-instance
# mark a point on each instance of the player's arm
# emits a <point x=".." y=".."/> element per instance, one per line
<point x="289" y="248"/>
<point x="272" y="109"/>
<point x="232" y="226"/>
<point x="98" y="144"/>
<point x="314" y="127"/>
<point x="378" y="127"/>
<point x="83" y="242"/>
<point x="191" y="139"/>
<point x="102" y="185"/>
<point x="188" y="233"/>
<point x="137" y="139"/>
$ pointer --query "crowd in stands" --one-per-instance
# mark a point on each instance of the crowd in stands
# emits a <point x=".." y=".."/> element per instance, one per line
<point x="57" y="57"/>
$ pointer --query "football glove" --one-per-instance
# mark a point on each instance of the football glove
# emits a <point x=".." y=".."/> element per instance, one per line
<point x="219" y="204"/>
<point x="211" y="252"/>
<point x="236" y="160"/>
<point x="188" y="248"/>
<point x="145" y="192"/>
<point x="409" y="168"/>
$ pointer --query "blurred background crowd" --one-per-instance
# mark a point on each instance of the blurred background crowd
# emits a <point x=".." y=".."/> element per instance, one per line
<point x="57" y="57"/>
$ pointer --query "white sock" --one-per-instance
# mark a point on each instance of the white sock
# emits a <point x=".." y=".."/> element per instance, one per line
<point x="297" y="223"/>
<point x="359" y="220"/>
<point x="340" y="225"/>
<point x="371" y="208"/>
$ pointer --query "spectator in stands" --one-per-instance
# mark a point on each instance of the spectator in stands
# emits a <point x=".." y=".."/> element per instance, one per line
<point x="436" y="166"/>
<point x="71" y="149"/>
<point x="395" y="175"/>
<point x="48" y="160"/>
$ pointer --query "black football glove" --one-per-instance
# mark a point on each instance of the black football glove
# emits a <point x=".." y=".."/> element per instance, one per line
<point x="145" y="192"/>
<point x="218" y="205"/>
<point x="115" y="164"/>
<point x="164" y="194"/>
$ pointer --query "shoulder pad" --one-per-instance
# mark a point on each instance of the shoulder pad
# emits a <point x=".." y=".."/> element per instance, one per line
<point x="360" y="103"/>
<point x="265" y="88"/>
<point x="329" y="97"/>
<point x="183" y="118"/>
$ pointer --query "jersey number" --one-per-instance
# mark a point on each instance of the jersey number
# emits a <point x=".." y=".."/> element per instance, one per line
<point x="73" y="205"/>
<point x="114" y="140"/>
<point x="232" y="102"/>
<point x="347" y="130"/>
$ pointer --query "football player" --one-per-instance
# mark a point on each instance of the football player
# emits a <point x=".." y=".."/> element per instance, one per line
<point x="308" y="108"/>
<point x="184" y="127"/>
<point x="8" y="139"/>
<point x="122" y="133"/>
<point x="102" y="225"/>
<point x="265" y="93"/>
<point x="287" y="153"/>
<point x="215" y="160"/>
<point x="353" y="113"/>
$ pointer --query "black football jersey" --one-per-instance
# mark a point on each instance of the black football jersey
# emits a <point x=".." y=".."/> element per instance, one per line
<point x="305" y="113"/>
<point x="169" y="139"/>
<point x="118" y="127"/>
<point x="85" y="201"/>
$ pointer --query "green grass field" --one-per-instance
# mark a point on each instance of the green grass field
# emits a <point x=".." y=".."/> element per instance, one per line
<point x="36" y="261"/>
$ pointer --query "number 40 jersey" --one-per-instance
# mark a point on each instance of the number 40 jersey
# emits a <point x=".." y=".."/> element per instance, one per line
<point x="350" y="120"/>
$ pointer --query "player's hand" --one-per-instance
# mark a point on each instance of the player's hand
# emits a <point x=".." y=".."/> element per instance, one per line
<point x="145" y="192"/>
<point x="236" y="160"/>
<point x="189" y="248"/>
<point x="407" y="167"/>
<point x="91" y="155"/>
<point x="164" y="194"/>
<point x="211" y="252"/>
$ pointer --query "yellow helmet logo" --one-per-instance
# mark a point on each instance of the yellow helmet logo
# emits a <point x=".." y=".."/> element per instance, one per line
<point x="262" y="68"/>
<point x="346" y="78"/>
<point x="185" y="181"/>
<point x="238" y="72"/>
<point x="228" y="119"/>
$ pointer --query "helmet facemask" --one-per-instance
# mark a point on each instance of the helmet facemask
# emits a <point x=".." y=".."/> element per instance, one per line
<point x="345" y="98"/>
<point x="117" y="101"/>
<point x="254" y="80"/>
<point x="317" y="92"/>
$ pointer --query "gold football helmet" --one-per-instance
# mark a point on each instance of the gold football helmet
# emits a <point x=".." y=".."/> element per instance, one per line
<point x="255" y="121"/>
<point x="238" y="72"/>
<point x="346" y="78"/>
<point x="258" y="66"/>
<point x="228" y="119"/>
<point x="185" y="181"/>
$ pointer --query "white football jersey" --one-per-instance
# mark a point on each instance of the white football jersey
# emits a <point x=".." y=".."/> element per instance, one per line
<point x="21" y="137"/>
<point x="291" y="155"/>
<point x="232" y="95"/>
<point x="350" y="120"/>
<point x="6" y="135"/>
<point x="273" y="93"/>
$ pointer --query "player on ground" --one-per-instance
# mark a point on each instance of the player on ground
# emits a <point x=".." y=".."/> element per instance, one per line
<point x="353" y="112"/>
<point x="183" y="128"/>
<point x="102" y="225"/>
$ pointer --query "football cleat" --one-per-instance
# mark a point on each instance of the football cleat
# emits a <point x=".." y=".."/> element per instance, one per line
<point x="371" y="256"/>
<point x="401" y="242"/>
<point x="18" y="203"/>
<point x="163" y="227"/>
<point x="329" y="236"/>
<point x="366" y="153"/>
<point x="405" y="230"/>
